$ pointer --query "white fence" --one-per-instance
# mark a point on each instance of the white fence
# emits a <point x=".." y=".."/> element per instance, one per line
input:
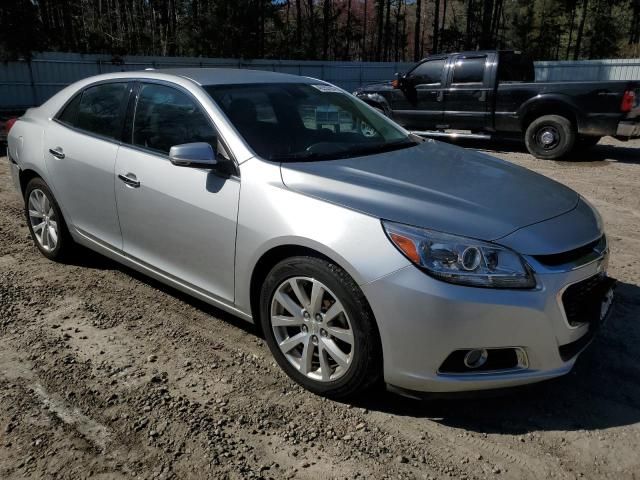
<point x="24" y="84"/>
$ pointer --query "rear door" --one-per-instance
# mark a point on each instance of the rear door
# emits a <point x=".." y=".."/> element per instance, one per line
<point x="421" y="104"/>
<point x="80" y="149"/>
<point x="180" y="221"/>
<point x="467" y="101"/>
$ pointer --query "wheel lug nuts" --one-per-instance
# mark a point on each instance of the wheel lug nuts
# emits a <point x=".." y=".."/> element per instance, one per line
<point x="323" y="332"/>
<point x="305" y="329"/>
<point x="318" y="317"/>
<point x="306" y="315"/>
<point x="314" y="339"/>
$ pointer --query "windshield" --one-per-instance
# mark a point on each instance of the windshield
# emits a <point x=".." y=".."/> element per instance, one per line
<point x="293" y="122"/>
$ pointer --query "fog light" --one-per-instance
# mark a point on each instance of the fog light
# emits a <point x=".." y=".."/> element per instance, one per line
<point x="476" y="358"/>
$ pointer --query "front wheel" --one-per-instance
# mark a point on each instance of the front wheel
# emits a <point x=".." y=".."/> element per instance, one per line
<point x="319" y="327"/>
<point x="550" y="137"/>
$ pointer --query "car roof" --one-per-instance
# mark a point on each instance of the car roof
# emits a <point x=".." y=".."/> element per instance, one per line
<point x="228" y="76"/>
<point x="469" y="53"/>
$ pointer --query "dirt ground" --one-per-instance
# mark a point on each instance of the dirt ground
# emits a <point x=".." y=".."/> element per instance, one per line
<point x="107" y="374"/>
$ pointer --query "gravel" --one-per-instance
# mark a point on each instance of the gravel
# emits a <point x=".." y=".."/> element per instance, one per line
<point x="82" y="395"/>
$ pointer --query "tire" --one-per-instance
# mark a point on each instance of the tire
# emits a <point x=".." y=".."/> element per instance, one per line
<point x="550" y="137"/>
<point x="52" y="238"/>
<point x="364" y="354"/>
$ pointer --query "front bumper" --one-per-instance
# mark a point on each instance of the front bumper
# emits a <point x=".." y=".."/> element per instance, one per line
<point x="423" y="320"/>
<point x="630" y="129"/>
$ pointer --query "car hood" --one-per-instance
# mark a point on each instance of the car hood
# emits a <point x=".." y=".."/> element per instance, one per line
<point x="375" y="87"/>
<point x="437" y="186"/>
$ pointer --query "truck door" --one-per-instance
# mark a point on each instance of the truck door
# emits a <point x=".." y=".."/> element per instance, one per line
<point x="467" y="101"/>
<point x="422" y="91"/>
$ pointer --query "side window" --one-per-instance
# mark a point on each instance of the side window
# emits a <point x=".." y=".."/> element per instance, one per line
<point x="428" y="72"/>
<point x="469" y="70"/>
<point x="515" y="67"/>
<point x="100" y="109"/>
<point x="165" y="117"/>
<point x="69" y="114"/>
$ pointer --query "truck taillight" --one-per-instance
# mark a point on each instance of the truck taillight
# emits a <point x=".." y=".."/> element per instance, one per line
<point x="628" y="100"/>
<point x="8" y="124"/>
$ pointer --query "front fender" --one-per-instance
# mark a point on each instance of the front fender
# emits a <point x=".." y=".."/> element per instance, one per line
<point x="376" y="100"/>
<point x="271" y="215"/>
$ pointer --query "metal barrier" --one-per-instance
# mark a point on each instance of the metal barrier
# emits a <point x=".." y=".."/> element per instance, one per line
<point x="24" y="84"/>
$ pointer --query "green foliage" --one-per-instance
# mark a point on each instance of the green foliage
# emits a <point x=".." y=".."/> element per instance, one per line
<point x="388" y="30"/>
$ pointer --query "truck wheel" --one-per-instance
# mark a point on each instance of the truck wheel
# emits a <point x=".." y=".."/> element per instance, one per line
<point x="550" y="137"/>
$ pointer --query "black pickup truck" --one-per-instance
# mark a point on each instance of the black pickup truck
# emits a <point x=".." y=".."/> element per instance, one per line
<point x="494" y="94"/>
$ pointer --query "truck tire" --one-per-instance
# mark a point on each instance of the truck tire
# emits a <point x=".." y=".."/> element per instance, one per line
<point x="550" y="137"/>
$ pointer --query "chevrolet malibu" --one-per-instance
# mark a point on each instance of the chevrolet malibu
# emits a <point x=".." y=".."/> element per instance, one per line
<point x="362" y="253"/>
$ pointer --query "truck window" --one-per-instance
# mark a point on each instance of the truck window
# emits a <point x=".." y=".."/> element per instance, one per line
<point x="468" y="70"/>
<point x="428" y="72"/>
<point x="515" y="67"/>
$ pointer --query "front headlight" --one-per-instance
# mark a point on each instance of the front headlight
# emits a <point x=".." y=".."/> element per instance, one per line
<point x="460" y="260"/>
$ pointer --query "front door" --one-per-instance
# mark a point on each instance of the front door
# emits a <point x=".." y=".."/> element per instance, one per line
<point x="467" y="101"/>
<point x="418" y="105"/>
<point x="178" y="220"/>
<point x="80" y="149"/>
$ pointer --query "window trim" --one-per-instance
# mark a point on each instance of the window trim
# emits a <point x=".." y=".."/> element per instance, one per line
<point x="134" y="83"/>
<point x="117" y="139"/>
<point x="443" y="75"/>
<point x="468" y="57"/>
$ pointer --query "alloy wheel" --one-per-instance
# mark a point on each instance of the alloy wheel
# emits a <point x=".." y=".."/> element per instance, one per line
<point x="312" y="329"/>
<point x="43" y="220"/>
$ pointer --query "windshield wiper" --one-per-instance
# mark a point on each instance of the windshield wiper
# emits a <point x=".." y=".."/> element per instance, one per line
<point x="381" y="147"/>
<point x="294" y="157"/>
<point x="343" y="153"/>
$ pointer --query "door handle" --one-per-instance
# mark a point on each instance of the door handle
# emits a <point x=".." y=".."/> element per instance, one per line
<point x="483" y="96"/>
<point x="57" y="152"/>
<point x="130" y="179"/>
<point x="440" y="96"/>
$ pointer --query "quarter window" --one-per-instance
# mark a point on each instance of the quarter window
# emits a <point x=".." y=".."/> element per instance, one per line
<point x="100" y="109"/>
<point x="69" y="115"/>
<point x="469" y="70"/>
<point x="166" y="117"/>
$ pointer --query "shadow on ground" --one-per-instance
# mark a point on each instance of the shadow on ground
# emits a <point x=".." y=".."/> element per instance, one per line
<point x="602" y="391"/>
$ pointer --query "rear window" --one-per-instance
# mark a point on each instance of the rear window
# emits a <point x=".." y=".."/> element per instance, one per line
<point x="469" y="70"/>
<point x="97" y="110"/>
<point x="515" y="67"/>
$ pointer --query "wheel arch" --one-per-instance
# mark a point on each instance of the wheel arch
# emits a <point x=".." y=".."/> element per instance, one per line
<point x="376" y="101"/>
<point x="26" y="176"/>
<point x="273" y="256"/>
<point x="549" y="105"/>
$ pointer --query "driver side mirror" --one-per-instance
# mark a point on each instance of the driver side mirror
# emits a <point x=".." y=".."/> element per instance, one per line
<point x="195" y="155"/>
<point x="398" y="82"/>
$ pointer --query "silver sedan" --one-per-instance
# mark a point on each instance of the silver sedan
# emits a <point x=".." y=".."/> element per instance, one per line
<point x="362" y="253"/>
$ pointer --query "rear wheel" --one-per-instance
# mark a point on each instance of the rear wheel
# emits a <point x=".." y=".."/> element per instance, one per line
<point x="319" y="327"/>
<point x="45" y="221"/>
<point x="550" y="137"/>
